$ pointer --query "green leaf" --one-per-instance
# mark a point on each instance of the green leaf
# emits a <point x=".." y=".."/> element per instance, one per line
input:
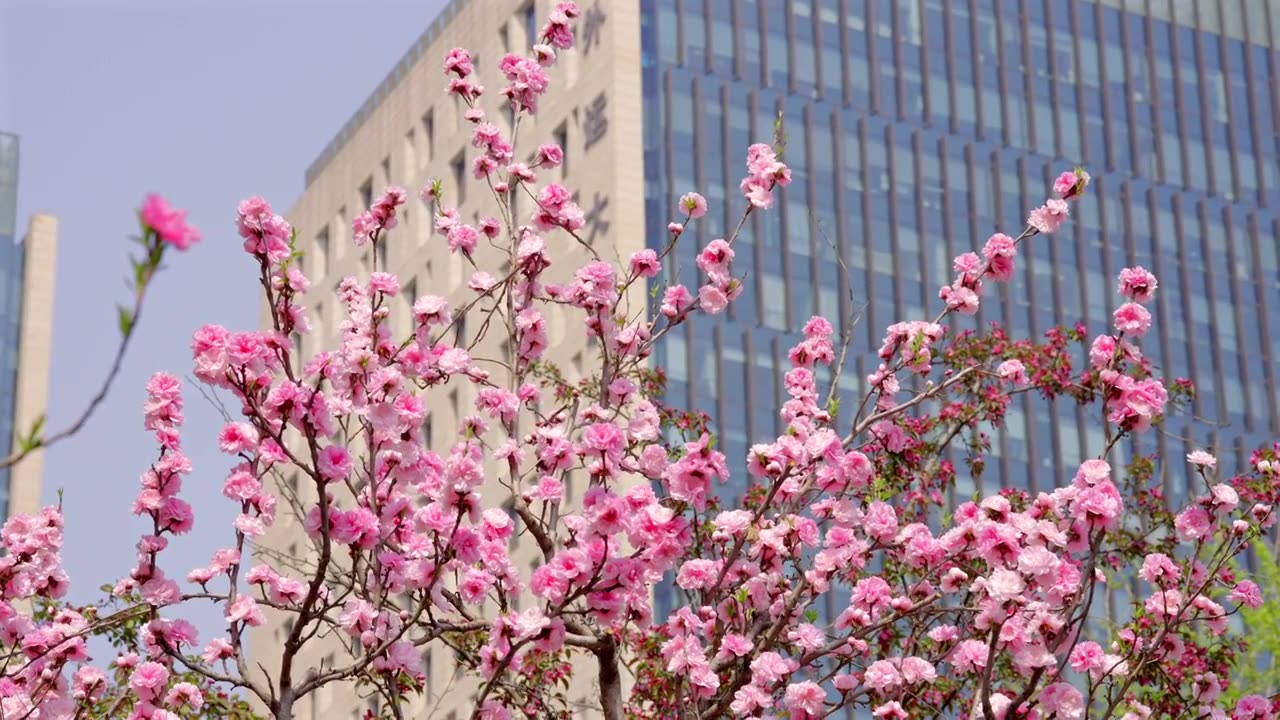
<point x="126" y="320"/>
<point x="811" y="615"/>
<point x="32" y="439"/>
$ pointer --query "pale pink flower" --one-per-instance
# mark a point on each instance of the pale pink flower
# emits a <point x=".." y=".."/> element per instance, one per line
<point x="1202" y="459"/>
<point x="149" y="680"/>
<point x="806" y="697"/>
<point x="882" y="675"/>
<point x="693" y="204"/>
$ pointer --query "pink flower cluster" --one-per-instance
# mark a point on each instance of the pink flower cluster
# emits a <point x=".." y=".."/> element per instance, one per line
<point x="265" y="234"/>
<point x="556" y="209"/>
<point x="721" y="287"/>
<point x="968" y="614"/>
<point x="368" y="225"/>
<point x="764" y="171"/>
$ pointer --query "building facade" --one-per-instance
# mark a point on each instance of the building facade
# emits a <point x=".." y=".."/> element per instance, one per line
<point x="410" y="131"/>
<point x="26" y="332"/>
<point x="914" y="130"/>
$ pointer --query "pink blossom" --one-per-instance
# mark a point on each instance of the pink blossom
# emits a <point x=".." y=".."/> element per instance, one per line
<point x="1201" y="459"/>
<point x="1158" y="569"/>
<point x="1192" y="523"/>
<point x="1063" y="700"/>
<point x="1003" y="585"/>
<point x="1086" y="656"/>
<point x="1133" y="319"/>
<point x="1049" y="217"/>
<point x="218" y="649"/>
<point x="169" y="225"/>
<point x="549" y="155"/>
<point x="149" y="680"/>
<point x="891" y="710"/>
<point x="458" y="61"/>
<point x="1223" y="497"/>
<point x="675" y="300"/>
<point x="882" y="675"/>
<point x="1013" y="371"/>
<point x="645" y="263"/>
<point x="712" y="299"/>
<point x="1253" y="707"/>
<point x="999" y="252"/>
<point x="804" y="699"/>
<point x="693" y="204"/>
<point x="245" y="609"/>
<point x="1246" y="593"/>
<point x="918" y="670"/>
<point x="184" y="693"/>
<point x="1138" y="284"/>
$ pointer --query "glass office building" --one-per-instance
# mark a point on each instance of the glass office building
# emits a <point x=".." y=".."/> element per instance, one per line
<point x="915" y="129"/>
<point x="11" y="274"/>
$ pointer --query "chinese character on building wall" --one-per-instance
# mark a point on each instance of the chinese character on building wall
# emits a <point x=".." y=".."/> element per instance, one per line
<point x="595" y="220"/>
<point x="595" y="123"/>
<point x="592" y="27"/>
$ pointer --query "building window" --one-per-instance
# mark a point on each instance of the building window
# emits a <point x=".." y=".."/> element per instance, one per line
<point x="386" y="170"/>
<point x="561" y="137"/>
<point x="409" y="291"/>
<point x="531" y="24"/>
<point x="427" y="666"/>
<point x="410" y="152"/>
<point x="366" y="194"/>
<point x="459" y="168"/>
<point x="429" y="136"/>
<point x="320" y="262"/>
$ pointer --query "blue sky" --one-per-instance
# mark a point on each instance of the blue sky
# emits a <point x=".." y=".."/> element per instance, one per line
<point x="206" y="103"/>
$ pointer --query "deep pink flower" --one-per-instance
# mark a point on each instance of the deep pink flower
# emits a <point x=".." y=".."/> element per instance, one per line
<point x="1071" y="183"/>
<point x="170" y="225"/>
<point x="1086" y="656"/>
<point x="1133" y="319"/>
<point x="645" y="263"/>
<point x="458" y="61"/>
<point x="1138" y="284"/>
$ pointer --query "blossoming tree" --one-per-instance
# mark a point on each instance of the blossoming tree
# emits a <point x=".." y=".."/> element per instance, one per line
<point x="982" y="609"/>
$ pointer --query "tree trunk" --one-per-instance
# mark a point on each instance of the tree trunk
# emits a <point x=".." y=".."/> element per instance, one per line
<point x="284" y="707"/>
<point x="610" y="680"/>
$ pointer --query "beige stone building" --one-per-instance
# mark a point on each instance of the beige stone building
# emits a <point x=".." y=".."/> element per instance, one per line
<point x="35" y="346"/>
<point x="26" y="331"/>
<point x="410" y="131"/>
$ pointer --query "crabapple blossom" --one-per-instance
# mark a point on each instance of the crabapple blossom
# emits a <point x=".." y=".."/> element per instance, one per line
<point x="848" y="569"/>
